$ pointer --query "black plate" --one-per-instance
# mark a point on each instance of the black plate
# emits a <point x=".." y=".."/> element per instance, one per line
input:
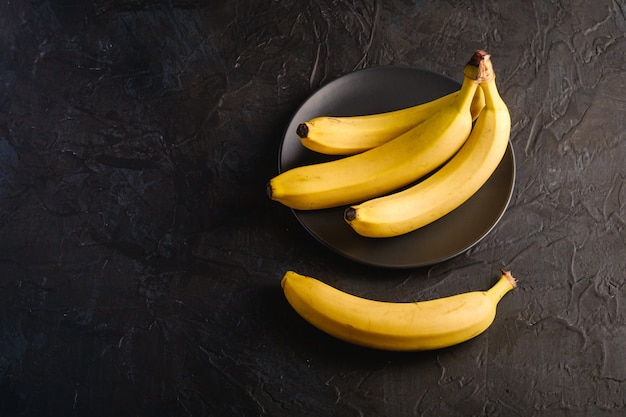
<point x="380" y="89"/>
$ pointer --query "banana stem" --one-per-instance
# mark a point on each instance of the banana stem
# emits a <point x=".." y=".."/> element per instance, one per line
<point x="505" y="284"/>
<point x="479" y="68"/>
<point x="492" y="95"/>
<point x="466" y="95"/>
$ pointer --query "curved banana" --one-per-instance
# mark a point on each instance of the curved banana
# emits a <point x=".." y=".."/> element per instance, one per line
<point x="449" y="187"/>
<point x="387" y="167"/>
<point x="348" y="135"/>
<point x="407" y="326"/>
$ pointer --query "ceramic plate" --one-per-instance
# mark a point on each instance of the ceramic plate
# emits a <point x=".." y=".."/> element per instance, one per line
<point x="380" y="89"/>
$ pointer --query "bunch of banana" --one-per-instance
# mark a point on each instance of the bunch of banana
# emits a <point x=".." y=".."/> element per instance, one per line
<point x="407" y="326"/>
<point x="450" y="186"/>
<point x="347" y="135"/>
<point x="390" y="166"/>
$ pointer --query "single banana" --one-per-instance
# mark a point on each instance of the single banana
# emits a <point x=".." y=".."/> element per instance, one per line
<point x="407" y="326"/>
<point x="449" y="187"/>
<point x="347" y="135"/>
<point x="387" y="167"/>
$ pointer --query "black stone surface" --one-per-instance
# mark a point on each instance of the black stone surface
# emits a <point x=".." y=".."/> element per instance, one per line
<point x="140" y="258"/>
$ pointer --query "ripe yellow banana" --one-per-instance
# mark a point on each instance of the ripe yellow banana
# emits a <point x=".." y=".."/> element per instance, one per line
<point x="407" y="326"/>
<point x="348" y="135"/>
<point x="387" y="167"/>
<point x="449" y="187"/>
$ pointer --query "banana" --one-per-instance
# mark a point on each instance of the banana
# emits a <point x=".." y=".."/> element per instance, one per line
<point x="387" y="167"/>
<point x="408" y="326"/>
<point x="449" y="187"/>
<point x="348" y="135"/>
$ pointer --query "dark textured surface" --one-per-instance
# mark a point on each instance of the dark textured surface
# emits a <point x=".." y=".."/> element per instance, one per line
<point x="140" y="258"/>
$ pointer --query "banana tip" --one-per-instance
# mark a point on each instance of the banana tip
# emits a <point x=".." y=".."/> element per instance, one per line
<point x="302" y="131"/>
<point x="349" y="214"/>
<point x="269" y="191"/>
